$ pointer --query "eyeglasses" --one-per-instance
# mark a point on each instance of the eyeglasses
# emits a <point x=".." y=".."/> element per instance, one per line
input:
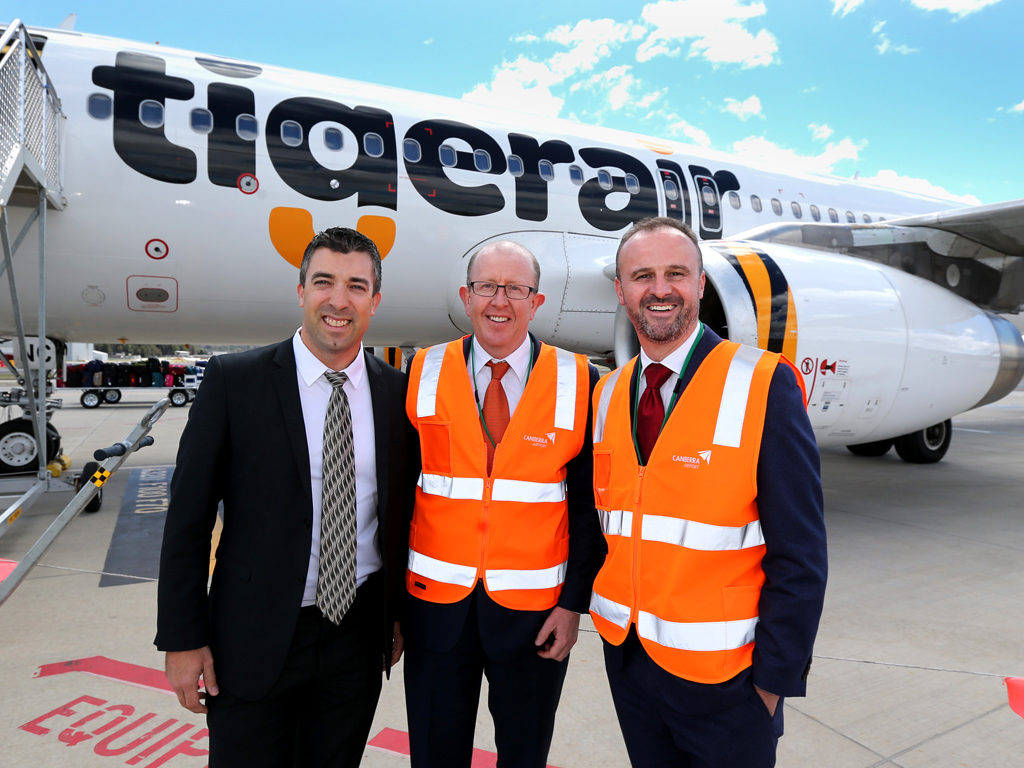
<point x="512" y="291"/>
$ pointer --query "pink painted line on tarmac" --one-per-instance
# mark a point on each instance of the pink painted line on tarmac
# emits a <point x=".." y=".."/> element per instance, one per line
<point x="391" y="740"/>
<point x="101" y="666"/>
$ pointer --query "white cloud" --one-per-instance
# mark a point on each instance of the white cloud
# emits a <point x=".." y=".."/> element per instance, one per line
<point x="744" y="110"/>
<point x="429" y="41"/>
<point x="715" y="30"/>
<point x="521" y="85"/>
<point x="647" y="99"/>
<point x="1017" y="107"/>
<point x="618" y="81"/>
<point x="892" y="180"/>
<point x="820" y="132"/>
<point x="760" y="150"/>
<point x="526" y="37"/>
<point x="959" y="8"/>
<point x="844" y="7"/>
<point x="885" y="45"/>
<point x="589" y="41"/>
<point x="676" y="126"/>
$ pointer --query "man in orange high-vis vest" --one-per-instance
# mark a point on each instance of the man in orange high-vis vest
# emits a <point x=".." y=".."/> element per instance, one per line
<point x="708" y="488"/>
<point x="504" y="540"/>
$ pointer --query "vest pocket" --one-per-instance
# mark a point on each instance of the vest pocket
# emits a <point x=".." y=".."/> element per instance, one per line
<point x="602" y="477"/>
<point x="436" y="444"/>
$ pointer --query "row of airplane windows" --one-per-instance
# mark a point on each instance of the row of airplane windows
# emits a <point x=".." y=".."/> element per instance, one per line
<point x="151" y="115"/>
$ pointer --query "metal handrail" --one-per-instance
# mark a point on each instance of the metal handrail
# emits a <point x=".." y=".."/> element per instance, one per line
<point x="137" y="438"/>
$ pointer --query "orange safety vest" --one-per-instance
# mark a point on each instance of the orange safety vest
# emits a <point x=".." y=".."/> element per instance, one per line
<point x="509" y="528"/>
<point x="684" y="537"/>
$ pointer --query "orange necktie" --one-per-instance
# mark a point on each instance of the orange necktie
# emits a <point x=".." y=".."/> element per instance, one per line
<point x="496" y="414"/>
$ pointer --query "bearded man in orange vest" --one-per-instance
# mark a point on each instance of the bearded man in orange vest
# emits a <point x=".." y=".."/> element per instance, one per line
<point x="504" y="541"/>
<point x="708" y="487"/>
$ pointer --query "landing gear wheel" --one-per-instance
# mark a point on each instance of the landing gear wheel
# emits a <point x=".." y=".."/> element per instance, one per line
<point x="926" y="446"/>
<point x="90" y="399"/>
<point x="112" y="396"/>
<point x="18" y="451"/>
<point x="876" y="448"/>
<point x="88" y="471"/>
<point x="178" y="397"/>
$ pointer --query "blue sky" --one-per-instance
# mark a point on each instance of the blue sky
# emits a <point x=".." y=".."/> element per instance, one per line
<point x="925" y="95"/>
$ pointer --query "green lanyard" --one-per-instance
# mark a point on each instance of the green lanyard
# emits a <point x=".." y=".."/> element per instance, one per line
<point x="476" y="391"/>
<point x="675" y="390"/>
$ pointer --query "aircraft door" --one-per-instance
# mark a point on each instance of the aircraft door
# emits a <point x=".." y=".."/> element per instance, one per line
<point x="710" y="207"/>
<point x="675" y="195"/>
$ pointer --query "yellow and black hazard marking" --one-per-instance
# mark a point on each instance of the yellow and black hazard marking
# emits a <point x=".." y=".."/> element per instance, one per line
<point x="100" y="477"/>
<point x="770" y="295"/>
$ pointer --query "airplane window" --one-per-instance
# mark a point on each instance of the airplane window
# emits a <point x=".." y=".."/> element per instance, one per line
<point x="833" y="215"/>
<point x="881" y="218"/>
<point x="734" y="200"/>
<point x="201" y="120"/>
<point x="515" y="165"/>
<point x="867" y="219"/>
<point x="815" y="213"/>
<point x="373" y="144"/>
<point x="632" y="184"/>
<point x="710" y="200"/>
<point x="576" y="175"/>
<point x="776" y="206"/>
<point x="798" y="211"/>
<point x="291" y="133"/>
<point x="151" y="113"/>
<point x="755" y="203"/>
<point x="247" y="127"/>
<point x="448" y="156"/>
<point x="482" y="160"/>
<point x="671" y="190"/>
<point x="850" y="217"/>
<point x="412" y="151"/>
<point x="100" y="106"/>
<point x="604" y="179"/>
<point x="546" y="170"/>
<point x="333" y="139"/>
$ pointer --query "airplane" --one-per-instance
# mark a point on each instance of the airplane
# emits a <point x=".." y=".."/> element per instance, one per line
<point x="190" y="183"/>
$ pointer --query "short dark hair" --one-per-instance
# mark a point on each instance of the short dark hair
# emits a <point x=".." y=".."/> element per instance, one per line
<point x="342" y="240"/>
<point x="651" y="224"/>
<point x="512" y="245"/>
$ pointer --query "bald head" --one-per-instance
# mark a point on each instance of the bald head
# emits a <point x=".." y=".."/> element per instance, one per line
<point x="505" y="249"/>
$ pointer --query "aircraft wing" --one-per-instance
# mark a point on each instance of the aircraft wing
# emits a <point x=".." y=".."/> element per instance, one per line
<point x="976" y="252"/>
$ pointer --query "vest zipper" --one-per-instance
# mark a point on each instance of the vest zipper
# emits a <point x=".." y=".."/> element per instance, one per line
<point x="488" y="487"/>
<point x="635" y="533"/>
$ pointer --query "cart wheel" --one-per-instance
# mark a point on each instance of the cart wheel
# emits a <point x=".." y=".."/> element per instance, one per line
<point x="88" y="471"/>
<point x="90" y="399"/>
<point x="112" y="396"/>
<point x="178" y="397"/>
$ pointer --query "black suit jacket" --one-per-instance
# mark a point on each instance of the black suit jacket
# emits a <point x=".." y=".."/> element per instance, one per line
<point x="504" y="630"/>
<point x="245" y="445"/>
<point x="791" y="511"/>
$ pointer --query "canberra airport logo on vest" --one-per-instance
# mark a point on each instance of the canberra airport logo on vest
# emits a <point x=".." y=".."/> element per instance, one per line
<point x="693" y="462"/>
<point x="540" y="442"/>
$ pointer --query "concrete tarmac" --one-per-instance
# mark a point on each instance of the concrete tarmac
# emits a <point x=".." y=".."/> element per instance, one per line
<point x="923" y="619"/>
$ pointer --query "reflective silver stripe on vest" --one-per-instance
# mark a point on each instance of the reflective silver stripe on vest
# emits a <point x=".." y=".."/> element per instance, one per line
<point x="696" y="635"/>
<point x="524" y="490"/>
<point x="452" y="487"/>
<point x="602" y="405"/>
<point x="439" y="570"/>
<point x="472" y="488"/>
<point x="616" y="522"/>
<point x="565" y="390"/>
<point x="609" y="610"/>
<point x="499" y="579"/>
<point x="735" y="393"/>
<point x="703" y="536"/>
<point x="430" y="374"/>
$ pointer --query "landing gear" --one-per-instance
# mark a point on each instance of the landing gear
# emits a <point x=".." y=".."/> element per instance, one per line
<point x="18" y="451"/>
<point x="876" y="448"/>
<point x="926" y="446"/>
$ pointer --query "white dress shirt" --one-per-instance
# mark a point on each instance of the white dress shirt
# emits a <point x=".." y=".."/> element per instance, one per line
<point x="315" y="394"/>
<point x="673" y="361"/>
<point x="514" y="380"/>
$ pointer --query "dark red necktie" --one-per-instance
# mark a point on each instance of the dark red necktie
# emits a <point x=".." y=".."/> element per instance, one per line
<point x="650" y="412"/>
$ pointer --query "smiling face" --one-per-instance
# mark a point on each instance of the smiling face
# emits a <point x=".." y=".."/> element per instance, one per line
<point x="337" y="302"/>
<point x="660" y="284"/>
<point x="500" y="324"/>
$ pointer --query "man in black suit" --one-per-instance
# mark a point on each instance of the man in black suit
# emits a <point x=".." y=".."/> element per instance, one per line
<point x="268" y="435"/>
<point x="505" y="540"/>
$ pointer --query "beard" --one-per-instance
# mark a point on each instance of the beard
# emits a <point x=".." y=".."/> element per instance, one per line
<point x="666" y="330"/>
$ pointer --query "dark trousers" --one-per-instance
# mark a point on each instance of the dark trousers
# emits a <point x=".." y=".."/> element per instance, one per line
<point x="319" y="712"/>
<point x="442" y="690"/>
<point x="669" y="722"/>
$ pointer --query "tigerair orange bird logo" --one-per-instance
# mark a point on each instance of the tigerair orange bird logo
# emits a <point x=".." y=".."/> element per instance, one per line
<point x="291" y="229"/>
